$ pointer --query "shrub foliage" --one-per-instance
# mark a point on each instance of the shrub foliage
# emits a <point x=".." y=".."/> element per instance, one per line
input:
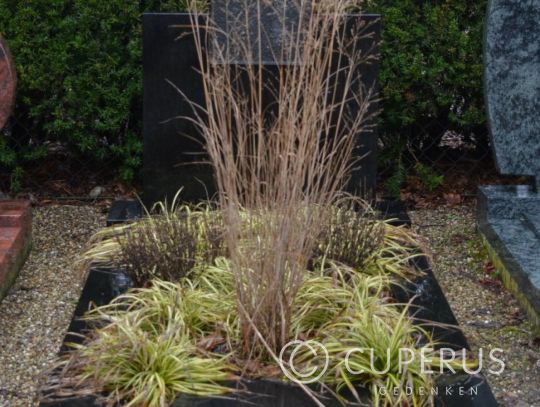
<point x="80" y="79"/>
<point x="431" y="76"/>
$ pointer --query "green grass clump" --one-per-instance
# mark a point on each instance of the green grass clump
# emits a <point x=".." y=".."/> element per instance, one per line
<point x="144" y="369"/>
<point x="370" y="320"/>
<point x="145" y="348"/>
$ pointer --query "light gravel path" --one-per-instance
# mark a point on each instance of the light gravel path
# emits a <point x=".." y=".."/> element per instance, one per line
<point x="488" y="314"/>
<point x="36" y="313"/>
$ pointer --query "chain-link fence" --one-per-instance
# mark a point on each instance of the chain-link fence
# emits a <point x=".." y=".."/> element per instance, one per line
<point x="49" y="170"/>
<point x="440" y="165"/>
<point x="433" y="165"/>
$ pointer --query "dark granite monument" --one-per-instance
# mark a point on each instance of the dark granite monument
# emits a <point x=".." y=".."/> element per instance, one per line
<point x="173" y="151"/>
<point x="509" y="216"/>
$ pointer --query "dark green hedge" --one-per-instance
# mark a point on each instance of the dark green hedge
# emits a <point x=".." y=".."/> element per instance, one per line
<point x="79" y="66"/>
<point x="431" y="78"/>
<point x="80" y="84"/>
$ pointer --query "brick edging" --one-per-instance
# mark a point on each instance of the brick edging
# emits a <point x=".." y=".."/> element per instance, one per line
<point x="15" y="240"/>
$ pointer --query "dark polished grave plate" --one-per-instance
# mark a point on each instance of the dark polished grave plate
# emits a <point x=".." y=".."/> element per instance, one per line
<point x="278" y="23"/>
<point x="122" y="210"/>
<point x="429" y="301"/>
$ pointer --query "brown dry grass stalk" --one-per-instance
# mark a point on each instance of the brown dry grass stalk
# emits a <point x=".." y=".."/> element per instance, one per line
<point x="285" y="164"/>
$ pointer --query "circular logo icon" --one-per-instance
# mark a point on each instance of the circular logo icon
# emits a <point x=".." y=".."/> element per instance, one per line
<point x="303" y="371"/>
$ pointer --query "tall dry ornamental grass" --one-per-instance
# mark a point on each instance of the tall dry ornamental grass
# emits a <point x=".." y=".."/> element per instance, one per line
<point x="284" y="162"/>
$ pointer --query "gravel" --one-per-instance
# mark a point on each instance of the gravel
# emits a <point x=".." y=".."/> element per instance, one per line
<point x="36" y="313"/>
<point x="485" y="310"/>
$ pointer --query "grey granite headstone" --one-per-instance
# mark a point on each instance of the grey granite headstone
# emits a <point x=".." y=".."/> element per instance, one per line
<point x="509" y="216"/>
<point x="512" y="80"/>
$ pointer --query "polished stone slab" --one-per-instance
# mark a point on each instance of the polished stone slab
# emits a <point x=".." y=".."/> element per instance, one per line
<point x="532" y="221"/>
<point x="512" y="84"/>
<point x="509" y="216"/>
<point x="124" y="209"/>
<point x="508" y="201"/>
<point x="173" y="156"/>
<point x="268" y="40"/>
<point x="509" y="221"/>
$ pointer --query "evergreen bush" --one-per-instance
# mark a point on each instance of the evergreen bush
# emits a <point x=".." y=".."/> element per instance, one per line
<point x="79" y="79"/>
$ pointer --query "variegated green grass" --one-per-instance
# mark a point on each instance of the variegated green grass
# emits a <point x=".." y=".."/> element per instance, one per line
<point x="144" y="349"/>
<point x="364" y="335"/>
<point x="151" y="344"/>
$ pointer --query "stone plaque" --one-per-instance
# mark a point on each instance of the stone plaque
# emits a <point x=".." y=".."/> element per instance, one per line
<point x="8" y="83"/>
<point x="269" y="40"/>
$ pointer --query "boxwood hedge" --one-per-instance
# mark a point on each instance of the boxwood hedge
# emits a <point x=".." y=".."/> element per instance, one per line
<point x="80" y="84"/>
